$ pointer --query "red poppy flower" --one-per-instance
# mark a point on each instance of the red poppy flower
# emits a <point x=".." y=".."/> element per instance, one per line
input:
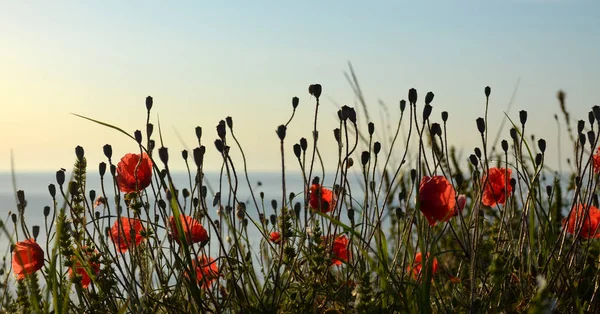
<point x="322" y="198"/>
<point x="94" y="267"/>
<point x="206" y="270"/>
<point x="496" y="187"/>
<point x="122" y="230"/>
<point x="596" y="159"/>
<point x="275" y="237"/>
<point x="437" y="199"/>
<point x="416" y="266"/>
<point x="126" y="173"/>
<point x="584" y="219"/>
<point x="193" y="231"/>
<point x="340" y="250"/>
<point x="27" y="258"/>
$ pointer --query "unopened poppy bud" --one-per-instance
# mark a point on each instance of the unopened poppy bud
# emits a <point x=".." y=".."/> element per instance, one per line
<point x="474" y="161"/>
<point x="229" y="122"/>
<point x="73" y="187"/>
<point x="204" y="191"/>
<point x="339" y="114"/>
<point x="444" y="116"/>
<point x="504" y="144"/>
<point x="138" y="136"/>
<point x="274" y="204"/>
<point x="21" y="197"/>
<point x="477" y="152"/>
<point x="107" y="151"/>
<point x="316" y="180"/>
<point x="548" y="190"/>
<point x="303" y="144"/>
<point x="291" y="197"/>
<point x="596" y="111"/>
<point x="513" y="134"/>
<point x="219" y="145"/>
<point x="581" y="139"/>
<point x="426" y="112"/>
<point x="102" y="169"/>
<point x="351" y="214"/>
<point x="297" y="150"/>
<point x="412" y="96"/>
<point x="429" y="98"/>
<point x="151" y="145"/>
<point x="315" y="90"/>
<point x="184" y="154"/>
<point x="538" y="159"/>
<point x="350" y="162"/>
<point x="337" y="135"/>
<point x="262" y="195"/>
<point x="46" y="211"/>
<point x="92" y="194"/>
<point x="376" y="148"/>
<point x="261" y="218"/>
<point x="163" y="153"/>
<point x="149" y="129"/>
<point x="14" y="218"/>
<point x="352" y="115"/>
<point x="413" y="174"/>
<point x="52" y="190"/>
<point x="371" y="127"/>
<point x="580" y="126"/>
<point x="36" y="231"/>
<point x="199" y="155"/>
<point x="79" y="153"/>
<point x="523" y="116"/>
<point x="295" y="102"/>
<point x="591" y="138"/>
<point x="542" y="145"/>
<point x="60" y="177"/>
<point x="216" y="199"/>
<point x="345" y="113"/>
<point x="402" y="105"/>
<point x="281" y="130"/>
<point x="113" y="170"/>
<point x="186" y="193"/>
<point x="364" y="158"/>
<point x="487" y="91"/>
<point x="480" y="125"/>
<point x="273" y="219"/>
<point x="198" y="133"/>
<point x="436" y="129"/>
<point x="221" y="132"/>
<point x="149" y="103"/>
<point x="591" y="118"/>
<point x="297" y="208"/>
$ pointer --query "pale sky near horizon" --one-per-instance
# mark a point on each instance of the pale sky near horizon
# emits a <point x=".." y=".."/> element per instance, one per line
<point x="203" y="61"/>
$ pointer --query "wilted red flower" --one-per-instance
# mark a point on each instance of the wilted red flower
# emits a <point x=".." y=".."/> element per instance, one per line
<point x="126" y="173"/>
<point x="27" y="258"/>
<point x="461" y="201"/>
<point x="193" y="231"/>
<point x="437" y="199"/>
<point x="322" y="198"/>
<point x="416" y="266"/>
<point x="340" y="250"/>
<point x="121" y="233"/>
<point x="94" y="267"/>
<point x="497" y="186"/>
<point x="584" y="219"/>
<point x="206" y="270"/>
<point x="100" y="200"/>
<point x="275" y="237"/>
<point x="596" y="159"/>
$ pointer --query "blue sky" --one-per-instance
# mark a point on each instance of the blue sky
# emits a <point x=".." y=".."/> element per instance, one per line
<point x="203" y="61"/>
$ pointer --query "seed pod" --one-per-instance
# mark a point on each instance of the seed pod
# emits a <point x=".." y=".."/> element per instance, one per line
<point x="138" y="136"/>
<point x="402" y="105"/>
<point x="149" y="103"/>
<point x="371" y="128"/>
<point x="480" y="125"/>
<point x="79" y="153"/>
<point x="429" y="98"/>
<point x="198" y="133"/>
<point x="426" y="112"/>
<point x="412" y="96"/>
<point x="297" y="150"/>
<point x="364" y="158"/>
<point x="542" y="145"/>
<point x="487" y="91"/>
<point x="229" y="122"/>
<point x="523" y="116"/>
<point x="281" y="130"/>
<point x="504" y="144"/>
<point x="444" y="116"/>
<point x="474" y="161"/>
<point x="376" y="148"/>
<point x="163" y="153"/>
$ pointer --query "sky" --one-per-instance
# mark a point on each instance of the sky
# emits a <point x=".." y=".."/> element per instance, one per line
<point x="205" y="60"/>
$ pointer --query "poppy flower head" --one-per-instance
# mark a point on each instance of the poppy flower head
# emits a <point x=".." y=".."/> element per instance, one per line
<point x="340" y="250"/>
<point x="122" y="231"/>
<point x="193" y="231"/>
<point x="275" y="237"/>
<point x="126" y="172"/>
<point x="497" y="186"/>
<point x="27" y="258"/>
<point x="93" y="264"/>
<point x="416" y="267"/>
<point x="322" y="198"/>
<point x="586" y="220"/>
<point x="206" y="270"/>
<point x="596" y="160"/>
<point x="437" y="199"/>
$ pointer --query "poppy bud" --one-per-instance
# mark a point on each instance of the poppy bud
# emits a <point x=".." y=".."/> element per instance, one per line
<point x="297" y="208"/>
<point x="477" y="152"/>
<point x="149" y="129"/>
<point x="113" y="170"/>
<point x="295" y="102"/>
<point x="262" y="195"/>
<point x="316" y="180"/>
<point x="352" y="115"/>
<point x="198" y="133"/>
<point x="273" y="219"/>
<point x="184" y="154"/>
<point x="538" y="159"/>
<point x="444" y="116"/>
<point x="337" y="135"/>
<point x="14" y="218"/>
<point x="436" y="129"/>
<point x="52" y="190"/>
<point x="591" y="118"/>
<point x="513" y="134"/>
<point x="261" y="218"/>
<point x="274" y="204"/>
<point x="219" y="145"/>
<point x="138" y="136"/>
<point x="413" y="174"/>
<point x="487" y="91"/>
<point x="542" y="145"/>
<point x="402" y="105"/>
<point x="221" y="130"/>
<point x="297" y="150"/>
<point x="92" y="194"/>
<point x="426" y="112"/>
<point x="429" y="98"/>
<point x="339" y="114"/>
<point x="291" y="197"/>
<point x="60" y="177"/>
<point x="21" y="197"/>
<point x="36" y="231"/>
<point x="149" y="103"/>
<point x="345" y="113"/>
<point x="581" y="139"/>
<point x="204" y="191"/>
<point x="504" y="145"/>
<point x="480" y="125"/>
<point x="163" y="153"/>
<point x="315" y="90"/>
<point x="351" y="214"/>
<point x="303" y="144"/>
<point x="364" y="158"/>
<point x="73" y="187"/>
<point x="229" y="122"/>
<point x="596" y="111"/>
<point x="199" y="155"/>
<point x="216" y="199"/>
<point x="185" y="192"/>
<point x="46" y="211"/>
<point x="580" y="126"/>
<point x="523" y="116"/>
<point x="549" y="190"/>
<point x="371" y="127"/>
<point x="412" y="96"/>
<point x="107" y="151"/>
<point x="591" y="138"/>
<point x="473" y="160"/>
<point x="79" y="153"/>
<point x="376" y="148"/>
<point x="281" y="132"/>
<point x="151" y="145"/>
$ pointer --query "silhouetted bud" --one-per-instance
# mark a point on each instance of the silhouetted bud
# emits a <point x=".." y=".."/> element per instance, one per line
<point x="429" y="98"/>
<point x="371" y="128"/>
<point x="548" y="190"/>
<point x="199" y="155"/>
<point x="274" y="204"/>
<point x="295" y="102"/>
<point x="219" y="145"/>
<point x="315" y="90"/>
<point x="351" y="214"/>
<point x="337" y="135"/>
<point x="297" y="209"/>
<point x="413" y="174"/>
<point x="412" y="96"/>
<point x="204" y="191"/>
<point x="21" y="197"/>
<point x="513" y="183"/>
<point x="474" y="161"/>
<point x="14" y="218"/>
<point x="426" y="112"/>
<point x="402" y="105"/>
<point x="46" y="211"/>
<point x="113" y="170"/>
<point x="229" y="122"/>
<point x="151" y="145"/>
<point x="221" y="132"/>
<point x="444" y="116"/>
<point x="344" y="113"/>
<point x="580" y="126"/>
<point x="216" y="199"/>
<point x="477" y="152"/>
<point x="436" y="129"/>
<point x="198" y="133"/>
<point x="138" y="136"/>
<point x="538" y="159"/>
<point x="161" y="204"/>
<point x="504" y="144"/>
<point x="581" y="139"/>
<point x="185" y="192"/>
<point x="303" y="144"/>
<point x="339" y="114"/>
<point x="163" y="153"/>
<point x="350" y="162"/>
<point x="262" y="195"/>
<point x="149" y="129"/>
<point x="591" y="118"/>
<point x="60" y="177"/>
<point x="542" y="145"/>
<point x="273" y="219"/>
<point x="291" y="197"/>
<point x="107" y="151"/>
<point x="352" y="115"/>
<point x="149" y="103"/>
<point x="92" y="194"/>
<point x="487" y="91"/>
<point x="281" y="132"/>
<point x="591" y="138"/>
<point x="364" y="158"/>
<point x="73" y="187"/>
<point x="79" y="153"/>
<point x="297" y="150"/>
<point x="399" y="213"/>
<point x="480" y="125"/>
<point x="596" y="111"/>
<point x="376" y="148"/>
<point x="316" y="180"/>
<point x="52" y="190"/>
<point x="513" y="134"/>
<point x="523" y="116"/>
<point x="184" y="154"/>
<point x="36" y="231"/>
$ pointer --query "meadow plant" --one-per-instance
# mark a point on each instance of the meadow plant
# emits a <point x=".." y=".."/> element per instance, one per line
<point x="421" y="230"/>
